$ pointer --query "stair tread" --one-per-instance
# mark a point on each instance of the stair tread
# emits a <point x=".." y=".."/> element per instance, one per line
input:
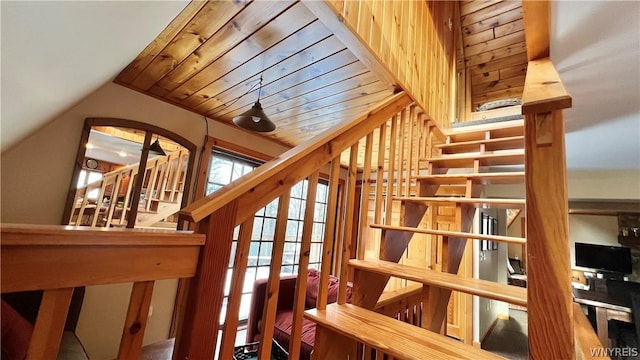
<point x="394" y="337"/>
<point x="506" y="239"/>
<point x="478" y="178"/>
<point x="478" y="132"/>
<point x="467" y="160"/>
<point x="478" y="202"/>
<point x="506" y="143"/>
<point x="488" y="289"/>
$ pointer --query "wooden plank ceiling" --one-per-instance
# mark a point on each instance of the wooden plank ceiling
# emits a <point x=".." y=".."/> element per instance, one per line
<point x="210" y="59"/>
<point x="494" y="49"/>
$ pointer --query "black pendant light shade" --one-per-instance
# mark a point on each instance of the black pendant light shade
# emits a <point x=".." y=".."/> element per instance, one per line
<point x="156" y="148"/>
<point x="254" y="119"/>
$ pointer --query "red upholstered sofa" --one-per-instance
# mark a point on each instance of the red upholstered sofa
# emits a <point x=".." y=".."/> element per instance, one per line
<point x="284" y="315"/>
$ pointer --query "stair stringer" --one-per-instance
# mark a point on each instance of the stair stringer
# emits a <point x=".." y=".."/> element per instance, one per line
<point x="437" y="299"/>
<point x="164" y="210"/>
<point x="367" y="286"/>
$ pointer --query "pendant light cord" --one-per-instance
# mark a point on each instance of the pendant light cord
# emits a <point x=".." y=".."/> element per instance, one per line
<point x="260" y="88"/>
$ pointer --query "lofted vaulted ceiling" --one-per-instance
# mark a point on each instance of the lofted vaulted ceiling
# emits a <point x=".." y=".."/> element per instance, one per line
<point x="211" y="57"/>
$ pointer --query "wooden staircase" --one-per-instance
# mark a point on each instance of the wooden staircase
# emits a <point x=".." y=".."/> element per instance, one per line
<point x="408" y="182"/>
<point x="465" y="159"/>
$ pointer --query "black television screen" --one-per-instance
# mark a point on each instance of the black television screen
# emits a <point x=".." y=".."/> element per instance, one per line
<point x="602" y="257"/>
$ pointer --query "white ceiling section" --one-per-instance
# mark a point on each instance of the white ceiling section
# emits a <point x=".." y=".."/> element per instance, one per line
<point x="54" y="53"/>
<point x="595" y="47"/>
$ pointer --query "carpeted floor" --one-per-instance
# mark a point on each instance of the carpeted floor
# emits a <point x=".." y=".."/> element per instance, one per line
<point x="508" y="338"/>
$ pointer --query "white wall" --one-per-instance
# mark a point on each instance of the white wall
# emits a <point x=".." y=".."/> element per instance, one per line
<point x="491" y="266"/>
<point x="611" y="184"/>
<point x="36" y="174"/>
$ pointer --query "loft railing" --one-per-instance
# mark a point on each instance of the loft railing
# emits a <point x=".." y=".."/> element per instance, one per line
<point x="57" y="259"/>
<point x="368" y="145"/>
<point x="165" y="182"/>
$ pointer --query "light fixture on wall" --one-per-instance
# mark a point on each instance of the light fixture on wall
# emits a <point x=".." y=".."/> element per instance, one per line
<point x="156" y="148"/>
<point x="255" y="119"/>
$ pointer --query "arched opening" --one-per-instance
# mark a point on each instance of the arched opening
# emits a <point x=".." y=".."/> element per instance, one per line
<point x="129" y="174"/>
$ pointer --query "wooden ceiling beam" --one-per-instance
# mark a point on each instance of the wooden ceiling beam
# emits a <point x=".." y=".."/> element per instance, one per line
<point x="333" y="21"/>
<point x="537" y="28"/>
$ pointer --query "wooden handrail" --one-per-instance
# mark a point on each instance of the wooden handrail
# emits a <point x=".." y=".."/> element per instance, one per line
<point x="543" y="89"/>
<point x="588" y="344"/>
<point x="80" y="256"/>
<point x="317" y="151"/>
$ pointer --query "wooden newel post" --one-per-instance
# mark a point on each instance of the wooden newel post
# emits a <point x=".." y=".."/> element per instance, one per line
<point x="549" y="296"/>
<point x="199" y="331"/>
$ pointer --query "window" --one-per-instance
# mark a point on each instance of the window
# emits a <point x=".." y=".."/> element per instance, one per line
<point x="223" y="169"/>
<point x="87" y="177"/>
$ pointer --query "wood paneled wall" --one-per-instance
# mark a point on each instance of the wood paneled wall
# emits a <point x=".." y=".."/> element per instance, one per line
<point x="415" y="40"/>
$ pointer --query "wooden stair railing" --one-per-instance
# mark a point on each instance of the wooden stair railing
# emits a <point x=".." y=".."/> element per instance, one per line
<point x="58" y="258"/>
<point x="166" y="176"/>
<point x="219" y="213"/>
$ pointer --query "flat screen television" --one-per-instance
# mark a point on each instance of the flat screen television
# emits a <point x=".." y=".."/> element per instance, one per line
<point x="601" y="257"/>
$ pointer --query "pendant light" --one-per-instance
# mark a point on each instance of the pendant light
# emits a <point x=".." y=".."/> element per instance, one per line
<point x="156" y="148"/>
<point x="255" y="119"/>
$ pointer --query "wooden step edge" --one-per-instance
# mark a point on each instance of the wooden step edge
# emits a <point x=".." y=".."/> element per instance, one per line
<point x="396" y="338"/>
<point x="478" y="178"/>
<point x="500" y="238"/>
<point x="481" y="141"/>
<point x="478" y="202"/>
<point x="483" y="288"/>
<point x="503" y="125"/>
<point x="587" y="342"/>
<point x="478" y="155"/>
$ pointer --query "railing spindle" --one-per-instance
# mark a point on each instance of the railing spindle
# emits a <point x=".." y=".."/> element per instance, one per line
<point x="364" y="197"/>
<point x="235" y="292"/>
<point x="349" y="222"/>
<point x="151" y="184"/>
<point x="329" y="232"/>
<point x="411" y="168"/>
<point x="303" y="264"/>
<point x="391" y="169"/>
<point x="401" y="140"/>
<point x="382" y="146"/>
<point x="273" y="285"/>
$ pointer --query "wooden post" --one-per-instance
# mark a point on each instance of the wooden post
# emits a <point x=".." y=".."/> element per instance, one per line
<point x="136" y="321"/>
<point x="199" y="332"/>
<point x="549" y="296"/>
<point x="47" y="332"/>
